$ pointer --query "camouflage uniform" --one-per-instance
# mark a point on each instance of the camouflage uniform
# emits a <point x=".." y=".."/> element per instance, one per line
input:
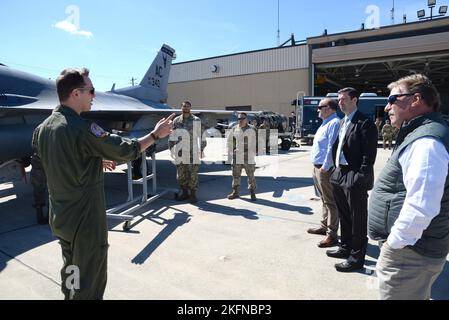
<point x="187" y="166"/>
<point x="387" y="135"/>
<point x="72" y="151"/>
<point x="266" y="126"/>
<point x="242" y="152"/>
<point x="38" y="180"/>
<point x="378" y="124"/>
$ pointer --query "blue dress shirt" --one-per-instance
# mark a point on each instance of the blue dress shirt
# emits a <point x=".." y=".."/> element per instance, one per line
<point x="324" y="138"/>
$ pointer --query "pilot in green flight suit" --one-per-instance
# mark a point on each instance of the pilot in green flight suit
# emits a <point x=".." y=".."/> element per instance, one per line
<point x="72" y="150"/>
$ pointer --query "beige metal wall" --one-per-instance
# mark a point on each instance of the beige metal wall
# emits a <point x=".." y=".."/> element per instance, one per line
<point x="386" y="48"/>
<point x="269" y="60"/>
<point x="263" y="91"/>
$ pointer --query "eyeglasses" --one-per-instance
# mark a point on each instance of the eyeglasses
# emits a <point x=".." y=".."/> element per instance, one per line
<point x="240" y="119"/>
<point x="321" y="107"/>
<point x="394" y="97"/>
<point x="91" y="90"/>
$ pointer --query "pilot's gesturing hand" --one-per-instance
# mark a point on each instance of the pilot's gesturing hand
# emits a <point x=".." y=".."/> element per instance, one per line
<point x="109" y="165"/>
<point x="164" y="127"/>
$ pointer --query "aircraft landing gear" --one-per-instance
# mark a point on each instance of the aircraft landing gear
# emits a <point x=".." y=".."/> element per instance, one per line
<point x="127" y="226"/>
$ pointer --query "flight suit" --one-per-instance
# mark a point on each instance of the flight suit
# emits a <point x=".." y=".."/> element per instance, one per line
<point x="243" y="156"/>
<point x="187" y="167"/>
<point x="388" y="133"/>
<point x="38" y="181"/>
<point x="71" y="151"/>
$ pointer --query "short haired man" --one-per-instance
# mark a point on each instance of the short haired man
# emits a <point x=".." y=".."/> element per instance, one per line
<point x="38" y="181"/>
<point x="388" y="133"/>
<point x="292" y="121"/>
<point x="409" y="204"/>
<point x="71" y="149"/>
<point x="321" y="157"/>
<point x="241" y="142"/>
<point x="265" y="125"/>
<point x="187" y="167"/>
<point x="354" y="154"/>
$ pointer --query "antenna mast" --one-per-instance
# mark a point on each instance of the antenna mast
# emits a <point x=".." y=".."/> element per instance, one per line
<point x="392" y="14"/>
<point x="279" y="32"/>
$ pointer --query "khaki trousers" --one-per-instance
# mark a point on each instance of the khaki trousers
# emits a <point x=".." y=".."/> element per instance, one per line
<point x="405" y="274"/>
<point x="330" y="213"/>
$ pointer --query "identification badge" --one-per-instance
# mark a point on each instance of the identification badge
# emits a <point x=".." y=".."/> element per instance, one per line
<point x="97" y="131"/>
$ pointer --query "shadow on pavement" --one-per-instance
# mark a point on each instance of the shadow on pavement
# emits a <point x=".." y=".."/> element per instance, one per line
<point x="171" y="225"/>
<point x="440" y="288"/>
<point x="227" y="210"/>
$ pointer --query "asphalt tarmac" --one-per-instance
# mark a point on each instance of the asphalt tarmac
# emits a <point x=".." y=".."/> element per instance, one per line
<point x="215" y="249"/>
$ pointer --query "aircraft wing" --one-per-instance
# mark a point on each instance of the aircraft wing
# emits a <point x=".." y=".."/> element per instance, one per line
<point x="26" y="100"/>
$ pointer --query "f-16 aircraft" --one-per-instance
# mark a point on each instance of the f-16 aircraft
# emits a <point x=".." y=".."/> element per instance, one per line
<point x="26" y="100"/>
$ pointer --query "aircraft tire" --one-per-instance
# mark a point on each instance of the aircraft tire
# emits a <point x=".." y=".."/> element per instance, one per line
<point x="286" y="144"/>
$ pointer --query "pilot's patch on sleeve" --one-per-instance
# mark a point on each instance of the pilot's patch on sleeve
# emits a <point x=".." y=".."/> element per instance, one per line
<point x="97" y="131"/>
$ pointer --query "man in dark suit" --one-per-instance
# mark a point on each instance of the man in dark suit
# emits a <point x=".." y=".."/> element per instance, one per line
<point x="354" y="154"/>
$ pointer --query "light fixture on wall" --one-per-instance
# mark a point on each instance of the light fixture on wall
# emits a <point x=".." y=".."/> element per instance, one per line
<point x="214" y="68"/>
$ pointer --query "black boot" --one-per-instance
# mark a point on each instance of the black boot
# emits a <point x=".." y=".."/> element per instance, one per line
<point x="193" y="198"/>
<point x="184" y="195"/>
<point x="253" y="195"/>
<point x="234" y="194"/>
<point x="41" y="219"/>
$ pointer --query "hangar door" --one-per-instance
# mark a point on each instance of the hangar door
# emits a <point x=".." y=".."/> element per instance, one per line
<point x="371" y="66"/>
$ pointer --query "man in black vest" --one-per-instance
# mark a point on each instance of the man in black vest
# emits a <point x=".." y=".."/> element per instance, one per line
<point x="354" y="153"/>
<point x="409" y="205"/>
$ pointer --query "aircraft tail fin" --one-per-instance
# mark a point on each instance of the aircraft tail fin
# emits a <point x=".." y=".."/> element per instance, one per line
<point x="153" y="85"/>
<point x="157" y="75"/>
<point x="156" y="78"/>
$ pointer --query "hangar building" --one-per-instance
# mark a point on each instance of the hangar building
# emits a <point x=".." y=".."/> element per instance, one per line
<point x="270" y="79"/>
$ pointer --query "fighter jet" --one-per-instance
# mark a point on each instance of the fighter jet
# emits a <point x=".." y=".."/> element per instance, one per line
<point x="26" y="100"/>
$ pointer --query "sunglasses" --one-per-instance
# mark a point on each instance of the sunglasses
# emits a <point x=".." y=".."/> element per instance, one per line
<point x="394" y="97"/>
<point x="240" y="119"/>
<point x="321" y="107"/>
<point x="91" y="90"/>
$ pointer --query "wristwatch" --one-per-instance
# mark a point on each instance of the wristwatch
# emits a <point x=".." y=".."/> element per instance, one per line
<point x="155" y="138"/>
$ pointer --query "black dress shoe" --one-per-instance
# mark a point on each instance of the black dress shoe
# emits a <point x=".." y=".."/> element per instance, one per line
<point x="339" y="253"/>
<point x="346" y="266"/>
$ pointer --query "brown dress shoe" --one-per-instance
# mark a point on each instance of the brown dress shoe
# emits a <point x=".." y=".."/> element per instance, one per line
<point x="328" y="242"/>
<point x="320" y="231"/>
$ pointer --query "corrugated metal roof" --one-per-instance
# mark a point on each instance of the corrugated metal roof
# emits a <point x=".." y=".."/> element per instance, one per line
<point x="278" y="59"/>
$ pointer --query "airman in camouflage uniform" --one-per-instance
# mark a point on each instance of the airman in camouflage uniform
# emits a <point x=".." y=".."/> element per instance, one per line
<point x="71" y="150"/>
<point x="38" y="181"/>
<point x="241" y="141"/>
<point x="266" y="126"/>
<point x="388" y="133"/>
<point x="378" y="124"/>
<point x="185" y="150"/>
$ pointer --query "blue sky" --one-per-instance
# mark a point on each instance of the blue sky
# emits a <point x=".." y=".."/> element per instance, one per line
<point x="118" y="39"/>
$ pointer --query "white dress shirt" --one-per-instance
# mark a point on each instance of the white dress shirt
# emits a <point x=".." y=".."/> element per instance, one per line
<point x="424" y="168"/>
<point x="340" y="157"/>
